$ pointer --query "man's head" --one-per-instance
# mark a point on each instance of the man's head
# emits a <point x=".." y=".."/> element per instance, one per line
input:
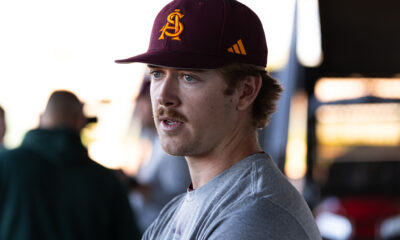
<point x="63" y="109"/>
<point x="207" y="60"/>
<point x="2" y="124"/>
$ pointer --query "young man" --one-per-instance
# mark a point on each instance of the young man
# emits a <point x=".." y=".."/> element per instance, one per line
<point x="210" y="93"/>
<point x="51" y="189"/>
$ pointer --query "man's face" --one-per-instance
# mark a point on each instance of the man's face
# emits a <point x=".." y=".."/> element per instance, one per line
<point x="192" y="115"/>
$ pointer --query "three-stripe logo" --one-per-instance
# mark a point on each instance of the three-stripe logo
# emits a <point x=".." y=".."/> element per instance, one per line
<point x="238" y="48"/>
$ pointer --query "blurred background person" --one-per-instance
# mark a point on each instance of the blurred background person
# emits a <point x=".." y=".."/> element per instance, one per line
<point x="51" y="189"/>
<point x="161" y="177"/>
<point x="2" y="128"/>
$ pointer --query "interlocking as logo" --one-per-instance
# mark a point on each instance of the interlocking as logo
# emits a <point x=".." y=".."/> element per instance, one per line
<point x="173" y="24"/>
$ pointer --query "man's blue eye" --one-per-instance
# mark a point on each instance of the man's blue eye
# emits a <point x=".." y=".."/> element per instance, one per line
<point x="188" y="78"/>
<point x="156" y="74"/>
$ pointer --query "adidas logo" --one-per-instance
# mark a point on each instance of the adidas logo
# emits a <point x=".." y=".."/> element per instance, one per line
<point x="238" y="48"/>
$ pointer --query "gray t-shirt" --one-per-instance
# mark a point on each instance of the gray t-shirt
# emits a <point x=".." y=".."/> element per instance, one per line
<point x="250" y="200"/>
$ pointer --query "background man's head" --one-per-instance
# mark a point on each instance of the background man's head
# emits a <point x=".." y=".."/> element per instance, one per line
<point x="63" y="109"/>
<point x="2" y="124"/>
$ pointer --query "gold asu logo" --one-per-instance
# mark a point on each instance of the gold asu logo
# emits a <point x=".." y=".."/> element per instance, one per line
<point x="173" y="24"/>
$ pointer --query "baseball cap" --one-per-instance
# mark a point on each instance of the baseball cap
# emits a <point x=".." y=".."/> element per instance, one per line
<point x="205" y="34"/>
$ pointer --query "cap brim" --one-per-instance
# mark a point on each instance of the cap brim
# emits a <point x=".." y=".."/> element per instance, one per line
<point x="178" y="60"/>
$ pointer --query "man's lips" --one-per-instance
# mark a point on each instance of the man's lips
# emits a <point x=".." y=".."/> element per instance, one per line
<point x="170" y="119"/>
<point x="169" y="124"/>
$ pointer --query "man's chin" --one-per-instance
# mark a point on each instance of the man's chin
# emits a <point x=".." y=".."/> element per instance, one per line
<point x="172" y="148"/>
<point x="173" y="152"/>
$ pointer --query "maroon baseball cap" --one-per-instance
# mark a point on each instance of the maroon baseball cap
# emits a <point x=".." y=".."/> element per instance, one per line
<point x="205" y="34"/>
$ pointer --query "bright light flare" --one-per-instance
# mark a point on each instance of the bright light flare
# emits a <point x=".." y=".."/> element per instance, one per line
<point x="390" y="228"/>
<point x="359" y="124"/>
<point x="333" y="226"/>
<point x="296" y="149"/>
<point x="335" y="89"/>
<point x="309" y="49"/>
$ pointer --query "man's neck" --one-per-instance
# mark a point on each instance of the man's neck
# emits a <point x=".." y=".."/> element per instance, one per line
<point x="204" y="168"/>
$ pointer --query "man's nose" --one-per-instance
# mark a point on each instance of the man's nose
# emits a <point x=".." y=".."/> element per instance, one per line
<point x="169" y="92"/>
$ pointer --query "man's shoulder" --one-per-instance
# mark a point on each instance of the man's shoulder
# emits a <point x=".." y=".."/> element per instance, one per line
<point x="109" y="178"/>
<point x="261" y="218"/>
<point x="262" y="200"/>
<point x="14" y="155"/>
<point x="265" y="207"/>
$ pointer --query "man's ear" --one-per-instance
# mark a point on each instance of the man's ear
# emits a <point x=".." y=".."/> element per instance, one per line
<point x="248" y="90"/>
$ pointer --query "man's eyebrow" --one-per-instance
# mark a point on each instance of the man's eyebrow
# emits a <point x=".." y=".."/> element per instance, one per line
<point x="191" y="70"/>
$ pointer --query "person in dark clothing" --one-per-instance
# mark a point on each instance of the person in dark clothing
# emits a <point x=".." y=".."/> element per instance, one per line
<point x="51" y="189"/>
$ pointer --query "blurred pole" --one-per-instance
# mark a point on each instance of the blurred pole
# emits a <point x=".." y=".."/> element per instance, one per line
<point x="273" y="138"/>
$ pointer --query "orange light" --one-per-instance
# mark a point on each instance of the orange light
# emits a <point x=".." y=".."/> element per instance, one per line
<point x="296" y="150"/>
<point x="335" y="89"/>
<point x="359" y="124"/>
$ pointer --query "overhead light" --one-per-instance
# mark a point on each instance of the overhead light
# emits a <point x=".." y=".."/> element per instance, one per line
<point x="335" y="89"/>
<point x="359" y="124"/>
